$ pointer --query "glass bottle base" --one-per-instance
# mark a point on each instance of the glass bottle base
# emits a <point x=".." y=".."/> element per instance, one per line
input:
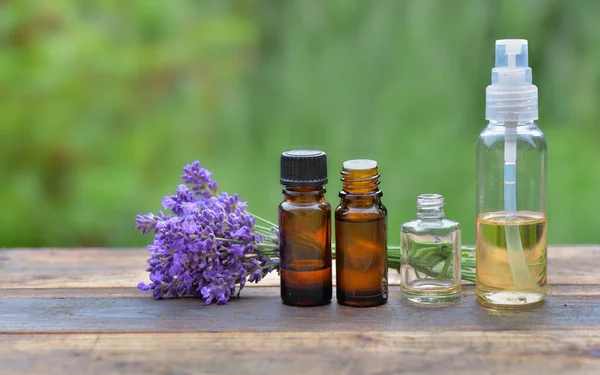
<point x="511" y="299"/>
<point x="306" y="297"/>
<point x="431" y="296"/>
<point x="306" y="303"/>
<point x="367" y="300"/>
<point x="306" y="288"/>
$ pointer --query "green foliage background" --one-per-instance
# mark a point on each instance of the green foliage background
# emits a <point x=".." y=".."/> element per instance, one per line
<point x="103" y="102"/>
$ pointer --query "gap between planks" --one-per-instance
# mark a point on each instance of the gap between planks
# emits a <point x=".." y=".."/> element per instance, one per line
<point x="264" y="290"/>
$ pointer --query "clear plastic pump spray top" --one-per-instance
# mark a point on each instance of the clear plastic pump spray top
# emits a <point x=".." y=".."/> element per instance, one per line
<point x="511" y="97"/>
<point x="511" y="100"/>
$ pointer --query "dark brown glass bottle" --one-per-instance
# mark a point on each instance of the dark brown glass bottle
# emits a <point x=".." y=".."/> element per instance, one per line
<point x="305" y="230"/>
<point x="361" y="237"/>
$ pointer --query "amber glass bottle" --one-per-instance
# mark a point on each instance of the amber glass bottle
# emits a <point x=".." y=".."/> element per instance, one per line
<point x="305" y="229"/>
<point x="361" y="237"/>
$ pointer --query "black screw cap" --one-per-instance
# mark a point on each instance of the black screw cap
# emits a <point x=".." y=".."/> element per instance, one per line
<point x="303" y="168"/>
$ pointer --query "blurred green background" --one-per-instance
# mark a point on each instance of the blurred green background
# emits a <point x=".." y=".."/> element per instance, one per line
<point x="103" y="102"/>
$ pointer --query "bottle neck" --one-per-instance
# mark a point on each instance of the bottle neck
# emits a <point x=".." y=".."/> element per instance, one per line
<point x="511" y="123"/>
<point x="360" y="183"/>
<point x="430" y="207"/>
<point x="304" y="194"/>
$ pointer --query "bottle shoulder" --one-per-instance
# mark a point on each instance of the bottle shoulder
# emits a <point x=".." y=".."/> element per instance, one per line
<point x="290" y="206"/>
<point x="427" y="226"/>
<point x="361" y="212"/>
<point x="492" y="129"/>
<point x="529" y="136"/>
<point x="374" y="205"/>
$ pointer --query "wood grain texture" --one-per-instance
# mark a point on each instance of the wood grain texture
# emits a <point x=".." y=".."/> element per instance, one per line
<point x="72" y="268"/>
<point x="260" y="309"/>
<point x="515" y="353"/>
<point x="80" y="268"/>
<point x="75" y="311"/>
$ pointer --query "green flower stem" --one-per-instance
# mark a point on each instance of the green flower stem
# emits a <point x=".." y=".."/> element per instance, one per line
<point x="429" y="258"/>
<point x="263" y="220"/>
<point x="267" y="245"/>
<point x="265" y="234"/>
<point x="264" y="229"/>
<point x="445" y="268"/>
<point x="426" y="255"/>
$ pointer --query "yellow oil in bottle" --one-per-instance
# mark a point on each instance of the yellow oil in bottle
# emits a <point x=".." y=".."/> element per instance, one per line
<point x="495" y="279"/>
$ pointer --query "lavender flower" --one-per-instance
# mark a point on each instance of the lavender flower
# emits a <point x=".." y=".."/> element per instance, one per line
<point x="200" y="179"/>
<point x="209" y="245"/>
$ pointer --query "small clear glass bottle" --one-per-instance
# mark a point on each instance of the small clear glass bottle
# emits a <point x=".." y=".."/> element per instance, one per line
<point x="431" y="250"/>
<point x="511" y="187"/>
<point x="361" y="237"/>
<point x="305" y="230"/>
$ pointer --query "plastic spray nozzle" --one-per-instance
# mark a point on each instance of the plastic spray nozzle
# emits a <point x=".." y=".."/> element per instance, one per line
<point x="512" y="63"/>
<point x="511" y="53"/>
<point x="511" y="96"/>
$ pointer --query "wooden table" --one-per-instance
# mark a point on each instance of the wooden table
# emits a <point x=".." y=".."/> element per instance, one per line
<point x="76" y="311"/>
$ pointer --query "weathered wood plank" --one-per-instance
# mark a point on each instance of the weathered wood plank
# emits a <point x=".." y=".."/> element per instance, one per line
<point x="72" y="268"/>
<point x="574" y="265"/>
<point x="516" y="353"/>
<point x="260" y="309"/>
<point x="76" y="268"/>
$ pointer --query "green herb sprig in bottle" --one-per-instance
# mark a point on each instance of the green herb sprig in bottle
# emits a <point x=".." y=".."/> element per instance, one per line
<point x="431" y="254"/>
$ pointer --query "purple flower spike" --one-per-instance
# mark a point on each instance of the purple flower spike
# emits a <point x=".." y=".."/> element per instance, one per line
<point x="147" y="223"/>
<point x="199" y="179"/>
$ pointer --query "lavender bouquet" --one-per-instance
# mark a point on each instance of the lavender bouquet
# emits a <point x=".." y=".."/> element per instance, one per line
<point x="209" y="245"/>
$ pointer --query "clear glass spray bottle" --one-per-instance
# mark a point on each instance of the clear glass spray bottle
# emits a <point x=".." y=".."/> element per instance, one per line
<point x="511" y="187"/>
